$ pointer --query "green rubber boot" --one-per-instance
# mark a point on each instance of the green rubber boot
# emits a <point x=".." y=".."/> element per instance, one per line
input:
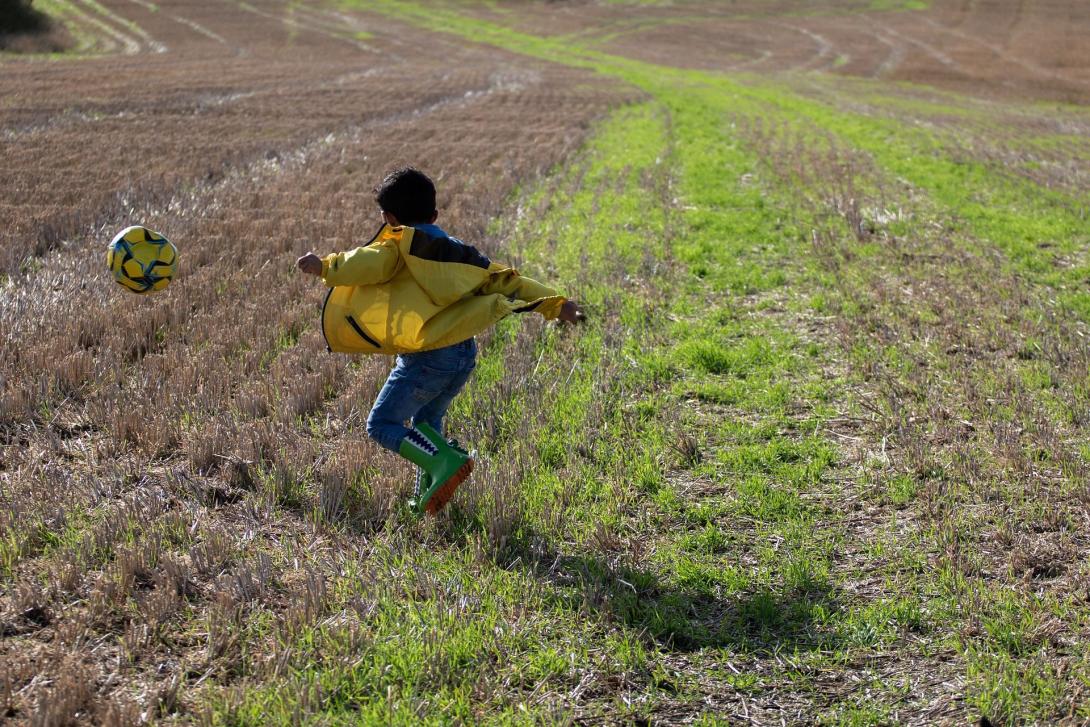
<point x="423" y="479"/>
<point x="444" y="466"/>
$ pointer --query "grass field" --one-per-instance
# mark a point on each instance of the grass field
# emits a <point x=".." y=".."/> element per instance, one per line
<point x="820" y="454"/>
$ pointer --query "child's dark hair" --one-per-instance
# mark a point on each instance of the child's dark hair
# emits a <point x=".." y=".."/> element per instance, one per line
<point x="408" y="195"/>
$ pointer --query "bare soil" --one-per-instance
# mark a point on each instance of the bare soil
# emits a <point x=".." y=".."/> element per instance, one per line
<point x="1025" y="49"/>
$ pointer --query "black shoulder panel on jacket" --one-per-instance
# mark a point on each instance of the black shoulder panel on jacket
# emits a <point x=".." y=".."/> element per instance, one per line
<point x="445" y="250"/>
<point x="528" y="308"/>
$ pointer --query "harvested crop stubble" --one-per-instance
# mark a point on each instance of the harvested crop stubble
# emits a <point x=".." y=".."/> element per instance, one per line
<point x="89" y="141"/>
<point x="778" y="452"/>
<point x="1045" y="144"/>
<point x="147" y="443"/>
<point x="980" y="416"/>
<point x="959" y="297"/>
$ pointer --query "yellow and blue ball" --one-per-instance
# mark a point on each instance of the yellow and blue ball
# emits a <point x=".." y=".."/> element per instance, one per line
<point x="142" y="260"/>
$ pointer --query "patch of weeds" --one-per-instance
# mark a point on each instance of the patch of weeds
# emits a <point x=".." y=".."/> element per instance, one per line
<point x="902" y="489"/>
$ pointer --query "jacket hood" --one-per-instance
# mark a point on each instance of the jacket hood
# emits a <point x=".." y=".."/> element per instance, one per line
<point x="445" y="269"/>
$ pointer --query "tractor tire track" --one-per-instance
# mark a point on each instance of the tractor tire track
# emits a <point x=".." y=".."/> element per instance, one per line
<point x="893" y="59"/>
<point x="927" y="48"/>
<point x="104" y="38"/>
<point x="824" y="50"/>
<point x="308" y="26"/>
<point x="133" y="37"/>
<point x="1002" y="54"/>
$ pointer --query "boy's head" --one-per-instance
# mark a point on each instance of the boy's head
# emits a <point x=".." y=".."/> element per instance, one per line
<point x="408" y="196"/>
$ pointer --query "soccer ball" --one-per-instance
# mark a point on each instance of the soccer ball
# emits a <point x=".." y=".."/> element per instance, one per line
<point x="142" y="260"/>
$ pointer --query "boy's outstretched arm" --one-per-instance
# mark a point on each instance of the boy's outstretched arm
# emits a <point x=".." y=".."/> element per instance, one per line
<point x="508" y="282"/>
<point x="363" y="266"/>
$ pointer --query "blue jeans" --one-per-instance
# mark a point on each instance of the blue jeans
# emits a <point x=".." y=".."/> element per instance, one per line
<point x="420" y="389"/>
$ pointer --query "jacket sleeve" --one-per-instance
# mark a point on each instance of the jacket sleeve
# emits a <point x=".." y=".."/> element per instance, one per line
<point x="510" y="283"/>
<point x="363" y="266"/>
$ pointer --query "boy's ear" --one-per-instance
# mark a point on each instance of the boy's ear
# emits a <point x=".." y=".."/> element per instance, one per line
<point x="390" y="219"/>
<point x="434" y="217"/>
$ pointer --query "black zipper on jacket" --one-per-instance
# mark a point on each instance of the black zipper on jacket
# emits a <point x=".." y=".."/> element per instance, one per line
<point x="528" y="308"/>
<point x="363" y="334"/>
<point x="321" y="318"/>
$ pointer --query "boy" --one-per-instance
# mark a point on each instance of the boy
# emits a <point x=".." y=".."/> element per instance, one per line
<point x="417" y="292"/>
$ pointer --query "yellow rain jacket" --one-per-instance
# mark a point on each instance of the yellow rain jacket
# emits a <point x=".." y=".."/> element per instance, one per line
<point x="406" y="291"/>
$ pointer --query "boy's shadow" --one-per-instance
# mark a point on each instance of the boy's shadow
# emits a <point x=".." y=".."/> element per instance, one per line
<point x="677" y="618"/>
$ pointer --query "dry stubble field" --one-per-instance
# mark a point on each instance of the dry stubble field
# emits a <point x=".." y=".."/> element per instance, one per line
<point x="828" y="466"/>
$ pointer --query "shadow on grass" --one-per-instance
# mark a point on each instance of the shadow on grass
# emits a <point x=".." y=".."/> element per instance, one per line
<point x="677" y="618"/>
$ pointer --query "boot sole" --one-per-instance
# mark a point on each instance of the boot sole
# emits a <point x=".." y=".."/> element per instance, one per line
<point x="442" y="496"/>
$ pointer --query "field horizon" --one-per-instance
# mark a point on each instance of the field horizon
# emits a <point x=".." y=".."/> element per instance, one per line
<point x="819" y="455"/>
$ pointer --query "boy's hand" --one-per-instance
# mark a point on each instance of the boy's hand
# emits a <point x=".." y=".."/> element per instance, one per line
<point x="570" y="312"/>
<point x="310" y="264"/>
